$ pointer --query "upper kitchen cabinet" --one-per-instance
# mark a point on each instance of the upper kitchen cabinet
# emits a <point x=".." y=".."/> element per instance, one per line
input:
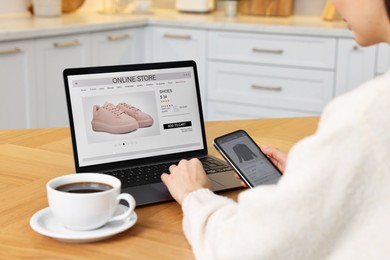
<point x="383" y="60"/>
<point x="170" y="44"/>
<point x="114" y="47"/>
<point x="53" y="55"/>
<point x="17" y="85"/>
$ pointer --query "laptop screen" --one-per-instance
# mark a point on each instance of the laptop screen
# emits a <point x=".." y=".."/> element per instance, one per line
<point x="121" y="113"/>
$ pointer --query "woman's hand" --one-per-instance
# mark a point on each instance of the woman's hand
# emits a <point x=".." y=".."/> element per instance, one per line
<point x="185" y="177"/>
<point x="277" y="157"/>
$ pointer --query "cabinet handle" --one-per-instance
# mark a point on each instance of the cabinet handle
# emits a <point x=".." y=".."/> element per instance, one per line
<point x="66" y="44"/>
<point x="177" y="36"/>
<point x="117" y="37"/>
<point x="271" y="88"/>
<point x="274" y="51"/>
<point x="11" y="51"/>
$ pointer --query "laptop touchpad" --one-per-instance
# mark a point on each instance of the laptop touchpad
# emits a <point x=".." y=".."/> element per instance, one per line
<point x="216" y="186"/>
<point x="151" y="193"/>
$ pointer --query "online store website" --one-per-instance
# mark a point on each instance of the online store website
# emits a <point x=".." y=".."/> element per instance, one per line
<point x="135" y="114"/>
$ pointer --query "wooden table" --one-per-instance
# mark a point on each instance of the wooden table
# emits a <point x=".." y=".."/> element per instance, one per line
<point x="29" y="158"/>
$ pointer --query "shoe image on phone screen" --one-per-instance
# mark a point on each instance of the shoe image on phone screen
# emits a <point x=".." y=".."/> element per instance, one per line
<point x="247" y="159"/>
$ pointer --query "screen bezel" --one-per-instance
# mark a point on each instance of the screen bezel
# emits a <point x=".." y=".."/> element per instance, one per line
<point x="132" y="67"/>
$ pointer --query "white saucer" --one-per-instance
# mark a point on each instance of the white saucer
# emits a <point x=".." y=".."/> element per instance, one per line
<point x="44" y="223"/>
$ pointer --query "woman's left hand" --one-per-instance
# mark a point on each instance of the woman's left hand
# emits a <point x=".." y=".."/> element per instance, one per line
<point x="184" y="178"/>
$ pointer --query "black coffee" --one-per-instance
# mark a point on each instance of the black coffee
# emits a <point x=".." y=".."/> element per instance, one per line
<point x="84" y="187"/>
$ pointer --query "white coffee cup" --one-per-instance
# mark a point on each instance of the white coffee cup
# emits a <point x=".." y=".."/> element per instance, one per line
<point x="87" y="211"/>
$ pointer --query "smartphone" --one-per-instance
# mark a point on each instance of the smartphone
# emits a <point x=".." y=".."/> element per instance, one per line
<point x="247" y="159"/>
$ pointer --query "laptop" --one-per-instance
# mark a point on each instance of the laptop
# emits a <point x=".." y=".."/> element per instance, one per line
<point x="134" y="121"/>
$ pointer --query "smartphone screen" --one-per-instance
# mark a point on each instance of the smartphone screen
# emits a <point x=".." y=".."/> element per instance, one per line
<point x="247" y="159"/>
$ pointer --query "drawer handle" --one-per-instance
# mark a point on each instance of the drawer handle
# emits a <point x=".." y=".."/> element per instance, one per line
<point x="274" y="51"/>
<point x="177" y="36"/>
<point x="11" y="51"/>
<point x="66" y="44"/>
<point x="117" y="37"/>
<point x="270" y="88"/>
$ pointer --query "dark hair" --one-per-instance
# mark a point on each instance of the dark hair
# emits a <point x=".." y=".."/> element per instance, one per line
<point x="387" y="3"/>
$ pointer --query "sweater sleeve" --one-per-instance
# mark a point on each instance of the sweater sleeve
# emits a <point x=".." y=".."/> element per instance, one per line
<point x="315" y="207"/>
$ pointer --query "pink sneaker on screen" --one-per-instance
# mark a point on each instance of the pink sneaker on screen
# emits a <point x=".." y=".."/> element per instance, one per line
<point x="111" y="119"/>
<point x="144" y="120"/>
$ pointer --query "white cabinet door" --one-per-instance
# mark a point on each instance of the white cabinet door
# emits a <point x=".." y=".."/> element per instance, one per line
<point x="355" y="65"/>
<point x="116" y="47"/>
<point x="53" y="56"/>
<point x="172" y="44"/>
<point x="17" y="85"/>
<point x="383" y="59"/>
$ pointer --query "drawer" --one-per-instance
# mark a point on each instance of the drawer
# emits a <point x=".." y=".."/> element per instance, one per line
<point x="115" y="47"/>
<point x="310" y="52"/>
<point x="286" y="88"/>
<point x="227" y="111"/>
<point x="169" y="44"/>
<point x="176" y="43"/>
<point x="383" y="58"/>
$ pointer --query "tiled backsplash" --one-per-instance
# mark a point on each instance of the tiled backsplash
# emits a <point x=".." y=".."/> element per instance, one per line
<point x="301" y="7"/>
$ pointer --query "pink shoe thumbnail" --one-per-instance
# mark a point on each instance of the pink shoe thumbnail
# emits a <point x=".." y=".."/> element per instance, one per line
<point x="111" y="119"/>
<point x="144" y="120"/>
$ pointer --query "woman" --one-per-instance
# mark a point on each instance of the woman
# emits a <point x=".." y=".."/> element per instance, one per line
<point x="334" y="199"/>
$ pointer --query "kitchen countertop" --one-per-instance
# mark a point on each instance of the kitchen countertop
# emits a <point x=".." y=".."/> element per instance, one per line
<point x="25" y="26"/>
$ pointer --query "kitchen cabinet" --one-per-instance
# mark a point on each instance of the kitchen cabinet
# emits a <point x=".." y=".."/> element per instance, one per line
<point x="53" y="55"/>
<point x="114" y="47"/>
<point x="269" y="90"/>
<point x="383" y="58"/>
<point x="232" y="111"/>
<point x="17" y="85"/>
<point x="170" y="44"/>
<point x="245" y="70"/>
<point x="355" y="65"/>
<point x="122" y="46"/>
<point x="263" y="75"/>
<point x="284" y="50"/>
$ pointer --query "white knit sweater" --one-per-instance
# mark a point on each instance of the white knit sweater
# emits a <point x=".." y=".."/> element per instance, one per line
<point x="333" y="201"/>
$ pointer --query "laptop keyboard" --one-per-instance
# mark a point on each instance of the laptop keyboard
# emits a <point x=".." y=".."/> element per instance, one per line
<point x="148" y="174"/>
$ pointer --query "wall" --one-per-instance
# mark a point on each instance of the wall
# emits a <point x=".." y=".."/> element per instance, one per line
<point x="301" y="7"/>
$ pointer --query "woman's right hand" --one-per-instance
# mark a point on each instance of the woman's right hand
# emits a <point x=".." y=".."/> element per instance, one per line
<point x="277" y="157"/>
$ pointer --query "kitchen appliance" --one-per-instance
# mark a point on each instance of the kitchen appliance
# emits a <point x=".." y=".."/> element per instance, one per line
<point x="197" y="6"/>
